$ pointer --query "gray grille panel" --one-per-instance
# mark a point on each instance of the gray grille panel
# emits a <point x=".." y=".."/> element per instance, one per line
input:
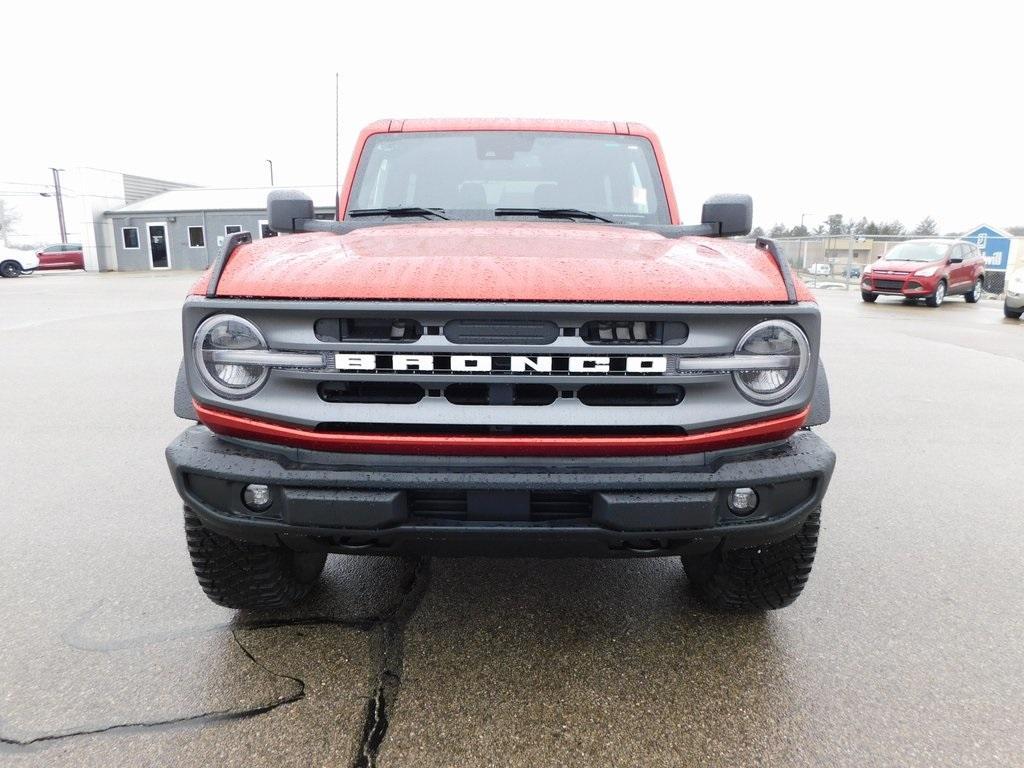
<point x="291" y="395"/>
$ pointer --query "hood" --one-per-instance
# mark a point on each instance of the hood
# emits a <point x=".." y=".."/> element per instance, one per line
<point x="502" y="261"/>
<point x="902" y="267"/>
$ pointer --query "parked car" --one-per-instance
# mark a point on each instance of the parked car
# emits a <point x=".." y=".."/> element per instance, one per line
<point x="61" y="256"/>
<point x="851" y="271"/>
<point x="928" y="269"/>
<point x="1013" y="305"/>
<point x="14" y="263"/>
<point x="820" y="269"/>
<point x="391" y="452"/>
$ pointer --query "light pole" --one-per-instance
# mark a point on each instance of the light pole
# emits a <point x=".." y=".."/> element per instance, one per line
<point x="271" y="164"/>
<point x="60" y="203"/>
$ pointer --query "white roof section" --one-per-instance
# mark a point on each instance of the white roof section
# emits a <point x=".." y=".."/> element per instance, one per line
<point x="220" y="199"/>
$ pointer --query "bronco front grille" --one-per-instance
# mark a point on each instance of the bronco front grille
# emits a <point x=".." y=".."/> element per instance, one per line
<point x="493" y="368"/>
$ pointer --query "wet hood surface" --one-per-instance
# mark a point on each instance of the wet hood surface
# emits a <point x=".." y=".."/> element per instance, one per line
<point x="502" y="261"/>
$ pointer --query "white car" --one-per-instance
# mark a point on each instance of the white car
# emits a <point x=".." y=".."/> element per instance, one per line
<point x="14" y="263"/>
<point x="820" y="269"/>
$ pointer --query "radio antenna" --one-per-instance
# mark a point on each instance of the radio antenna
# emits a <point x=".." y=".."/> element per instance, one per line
<point x="337" y="159"/>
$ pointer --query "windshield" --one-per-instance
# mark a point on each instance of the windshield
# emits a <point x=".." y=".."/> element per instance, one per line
<point x="917" y="252"/>
<point x="470" y="174"/>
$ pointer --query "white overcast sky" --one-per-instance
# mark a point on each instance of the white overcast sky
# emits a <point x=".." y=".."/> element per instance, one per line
<point x="867" y="109"/>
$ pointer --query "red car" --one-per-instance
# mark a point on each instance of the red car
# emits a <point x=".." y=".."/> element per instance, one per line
<point x="508" y="344"/>
<point x="66" y="256"/>
<point x="926" y="269"/>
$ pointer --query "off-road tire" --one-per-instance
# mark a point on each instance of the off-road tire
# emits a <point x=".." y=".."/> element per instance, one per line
<point x="755" y="579"/>
<point x="936" y="299"/>
<point x="238" y="574"/>
<point x="974" y="295"/>
<point x="1013" y="314"/>
<point x="869" y="297"/>
<point x="10" y="269"/>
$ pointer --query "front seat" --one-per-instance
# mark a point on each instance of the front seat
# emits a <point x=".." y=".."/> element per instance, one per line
<point x="546" y="196"/>
<point x="472" y="196"/>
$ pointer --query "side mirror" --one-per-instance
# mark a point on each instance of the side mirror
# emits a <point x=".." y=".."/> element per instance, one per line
<point x="955" y="259"/>
<point x="730" y="214"/>
<point x="285" y="207"/>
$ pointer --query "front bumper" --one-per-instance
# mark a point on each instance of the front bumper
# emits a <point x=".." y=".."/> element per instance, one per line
<point x="1015" y="300"/>
<point x="911" y="286"/>
<point x="600" y="507"/>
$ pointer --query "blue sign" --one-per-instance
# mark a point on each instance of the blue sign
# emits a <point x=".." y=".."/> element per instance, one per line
<point x="993" y="243"/>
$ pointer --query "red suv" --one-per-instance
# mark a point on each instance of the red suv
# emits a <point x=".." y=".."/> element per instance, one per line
<point x="926" y="269"/>
<point x="66" y="256"/>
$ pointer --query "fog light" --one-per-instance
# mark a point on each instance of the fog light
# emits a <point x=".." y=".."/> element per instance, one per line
<point x="742" y="501"/>
<point x="257" y="497"/>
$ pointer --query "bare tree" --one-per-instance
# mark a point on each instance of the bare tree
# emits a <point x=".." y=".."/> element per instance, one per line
<point x="9" y="218"/>
<point x="927" y="227"/>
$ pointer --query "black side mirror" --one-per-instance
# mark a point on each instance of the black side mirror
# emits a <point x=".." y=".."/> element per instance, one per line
<point x="286" y="207"/>
<point x="731" y="214"/>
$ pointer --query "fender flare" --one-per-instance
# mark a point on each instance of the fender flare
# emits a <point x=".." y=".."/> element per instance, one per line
<point x="821" y="402"/>
<point x="183" y="408"/>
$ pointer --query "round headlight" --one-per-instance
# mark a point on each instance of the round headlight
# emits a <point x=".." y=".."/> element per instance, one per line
<point x="785" y="352"/>
<point x="214" y="341"/>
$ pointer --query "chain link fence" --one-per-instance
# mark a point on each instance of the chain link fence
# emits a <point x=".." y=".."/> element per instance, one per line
<point x="838" y="261"/>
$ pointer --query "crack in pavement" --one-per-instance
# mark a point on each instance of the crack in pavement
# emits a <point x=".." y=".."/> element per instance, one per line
<point x="388" y="677"/>
<point x="381" y="708"/>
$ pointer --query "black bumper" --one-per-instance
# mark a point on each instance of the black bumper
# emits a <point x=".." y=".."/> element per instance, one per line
<point x="603" y="507"/>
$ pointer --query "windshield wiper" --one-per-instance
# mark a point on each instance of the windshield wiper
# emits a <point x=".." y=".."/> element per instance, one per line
<point x="551" y="213"/>
<point x="437" y="213"/>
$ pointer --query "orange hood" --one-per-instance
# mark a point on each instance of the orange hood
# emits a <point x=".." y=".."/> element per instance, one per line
<point x="502" y="261"/>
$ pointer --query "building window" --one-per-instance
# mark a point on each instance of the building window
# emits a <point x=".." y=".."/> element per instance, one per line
<point x="231" y="229"/>
<point x="130" y="237"/>
<point x="196" y="237"/>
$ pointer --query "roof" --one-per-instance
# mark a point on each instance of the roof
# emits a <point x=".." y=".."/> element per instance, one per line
<point x="219" y="199"/>
<point x="507" y="124"/>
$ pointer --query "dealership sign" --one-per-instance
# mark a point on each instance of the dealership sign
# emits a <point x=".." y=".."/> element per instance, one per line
<point x="993" y="243"/>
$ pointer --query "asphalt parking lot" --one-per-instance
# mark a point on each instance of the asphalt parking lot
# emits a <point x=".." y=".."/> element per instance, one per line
<point x="904" y="650"/>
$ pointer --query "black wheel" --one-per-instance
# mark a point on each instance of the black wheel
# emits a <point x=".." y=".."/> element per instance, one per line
<point x="1013" y="314"/>
<point x="869" y="297"/>
<point x="10" y="269"/>
<point x="975" y="294"/>
<point x="936" y="299"/>
<point x="759" y="578"/>
<point x="237" y="574"/>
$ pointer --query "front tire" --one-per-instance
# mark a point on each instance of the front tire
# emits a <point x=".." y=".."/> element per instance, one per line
<point x="936" y="299"/>
<point x="761" y="578"/>
<point x="870" y="298"/>
<point x="238" y="574"/>
<point x="975" y="295"/>
<point x="10" y="269"/>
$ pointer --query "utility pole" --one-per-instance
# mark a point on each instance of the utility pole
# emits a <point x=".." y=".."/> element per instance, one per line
<point x="271" y="164"/>
<point x="60" y="204"/>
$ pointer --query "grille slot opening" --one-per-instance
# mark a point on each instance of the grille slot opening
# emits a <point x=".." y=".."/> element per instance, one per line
<point x="445" y="505"/>
<point x="392" y="330"/>
<point x="501" y="394"/>
<point x="501" y="331"/>
<point x="395" y="392"/>
<point x="634" y="332"/>
<point x="544" y="506"/>
<point x="630" y="394"/>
